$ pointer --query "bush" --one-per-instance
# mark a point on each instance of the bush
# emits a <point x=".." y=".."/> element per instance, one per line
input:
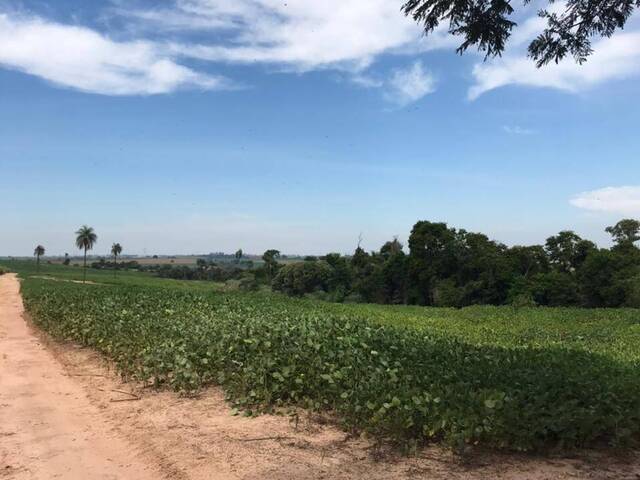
<point x="301" y="278"/>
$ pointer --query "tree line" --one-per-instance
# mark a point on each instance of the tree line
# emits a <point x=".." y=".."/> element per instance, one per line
<point x="444" y="267"/>
<point x="451" y="267"/>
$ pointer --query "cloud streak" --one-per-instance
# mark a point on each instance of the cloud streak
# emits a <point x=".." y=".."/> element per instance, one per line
<point x="517" y="130"/>
<point x="303" y="35"/>
<point x="620" y="200"/>
<point x="83" y="59"/>
<point x="614" y="58"/>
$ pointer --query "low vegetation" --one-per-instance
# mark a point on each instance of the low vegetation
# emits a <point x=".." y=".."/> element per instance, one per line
<point x="505" y="377"/>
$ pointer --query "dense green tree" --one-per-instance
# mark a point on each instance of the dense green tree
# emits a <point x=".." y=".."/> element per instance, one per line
<point x="626" y="232"/>
<point x="567" y="251"/>
<point x="528" y="260"/>
<point x="394" y="273"/>
<point x="487" y="25"/>
<point x="598" y="279"/>
<point x="431" y="256"/>
<point x="483" y="271"/>
<point x="239" y="253"/>
<point x="86" y="238"/>
<point x="270" y="258"/>
<point x="38" y="252"/>
<point x="201" y="264"/>
<point x="555" y="289"/>
<point x="340" y="275"/>
<point x="391" y="248"/>
<point x="632" y="291"/>
<point x="302" y="277"/>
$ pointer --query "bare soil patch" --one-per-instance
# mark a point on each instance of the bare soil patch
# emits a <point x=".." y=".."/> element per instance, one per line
<point x="55" y="279"/>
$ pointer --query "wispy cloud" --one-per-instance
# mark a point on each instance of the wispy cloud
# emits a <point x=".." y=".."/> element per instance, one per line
<point x="303" y="35"/>
<point x="409" y="85"/>
<point x="517" y="130"/>
<point x="617" y="57"/>
<point x="86" y="60"/>
<point x="621" y="200"/>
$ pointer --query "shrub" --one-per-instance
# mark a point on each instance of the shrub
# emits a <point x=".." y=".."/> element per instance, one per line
<point x="302" y="277"/>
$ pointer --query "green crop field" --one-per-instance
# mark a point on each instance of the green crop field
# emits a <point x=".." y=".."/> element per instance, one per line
<point x="515" y="379"/>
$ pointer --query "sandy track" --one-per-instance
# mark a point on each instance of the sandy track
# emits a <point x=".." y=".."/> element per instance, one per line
<point x="48" y="427"/>
<point x="52" y="393"/>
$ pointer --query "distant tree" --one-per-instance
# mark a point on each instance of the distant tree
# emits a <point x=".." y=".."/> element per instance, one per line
<point x="67" y="260"/>
<point x="567" y="251"/>
<point x="555" y="289"/>
<point x="602" y="279"/>
<point x="482" y="269"/>
<point x="625" y="232"/>
<point x="431" y="257"/>
<point x="239" y="255"/>
<point x="270" y="258"/>
<point x="38" y="252"/>
<point x="302" y="277"/>
<point x="339" y="278"/>
<point x="360" y="258"/>
<point x="201" y="263"/>
<point x="528" y="260"/>
<point x="569" y="30"/>
<point x="86" y="238"/>
<point x="116" y="249"/>
<point x="392" y="247"/>
<point x="393" y="276"/>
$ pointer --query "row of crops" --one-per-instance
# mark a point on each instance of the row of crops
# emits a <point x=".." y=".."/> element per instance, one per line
<point x="513" y="380"/>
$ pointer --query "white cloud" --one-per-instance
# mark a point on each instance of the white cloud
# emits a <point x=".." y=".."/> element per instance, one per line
<point x="83" y="59"/>
<point x="517" y="130"/>
<point x="617" y="57"/>
<point x="302" y="34"/>
<point x="619" y="200"/>
<point x="409" y="85"/>
<point x="366" y="81"/>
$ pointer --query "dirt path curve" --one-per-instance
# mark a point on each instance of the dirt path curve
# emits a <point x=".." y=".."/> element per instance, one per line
<point x="48" y="427"/>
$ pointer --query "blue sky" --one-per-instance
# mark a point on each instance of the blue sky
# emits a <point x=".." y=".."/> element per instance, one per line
<point x="189" y="126"/>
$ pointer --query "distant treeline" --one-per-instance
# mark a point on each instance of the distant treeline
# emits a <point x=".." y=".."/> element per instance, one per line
<point x="445" y="267"/>
<point x="456" y="268"/>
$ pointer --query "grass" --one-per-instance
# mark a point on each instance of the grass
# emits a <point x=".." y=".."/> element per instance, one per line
<point x="526" y="379"/>
<point x="28" y="269"/>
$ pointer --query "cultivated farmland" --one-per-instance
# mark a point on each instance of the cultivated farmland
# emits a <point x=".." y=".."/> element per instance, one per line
<point x="506" y="378"/>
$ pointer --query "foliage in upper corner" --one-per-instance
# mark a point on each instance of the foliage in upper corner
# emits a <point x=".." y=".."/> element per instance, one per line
<point x="488" y="24"/>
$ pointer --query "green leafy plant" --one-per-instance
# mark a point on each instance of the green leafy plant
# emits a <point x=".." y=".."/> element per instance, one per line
<point x="525" y="379"/>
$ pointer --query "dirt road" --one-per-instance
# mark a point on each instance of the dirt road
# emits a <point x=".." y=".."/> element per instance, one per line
<point x="48" y="427"/>
<point x="58" y="419"/>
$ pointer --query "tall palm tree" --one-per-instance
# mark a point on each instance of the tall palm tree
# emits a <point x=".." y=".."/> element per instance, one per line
<point x="86" y="238"/>
<point x="116" y="249"/>
<point x="38" y="252"/>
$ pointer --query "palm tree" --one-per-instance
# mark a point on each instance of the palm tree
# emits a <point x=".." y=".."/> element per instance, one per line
<point x="86" y="238"/>
<point x="116" y="249"/>
<point x="38" y="252"/>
